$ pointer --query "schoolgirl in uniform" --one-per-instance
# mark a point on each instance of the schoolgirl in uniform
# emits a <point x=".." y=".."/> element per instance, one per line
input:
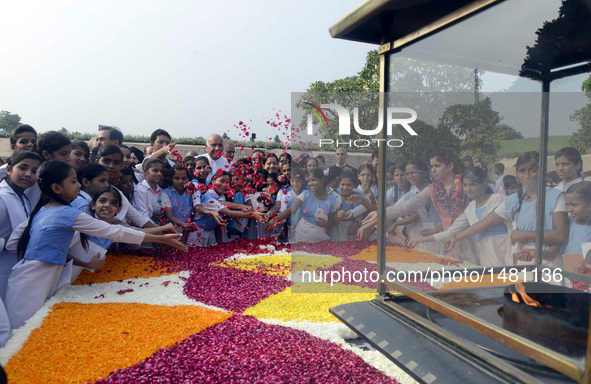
<point x="319" y="210"/>
<point x="401" y="185"/>
<point x="520" y="208"/>
<point x="425" y="221"/>
<point x="445" y="193"/>
<point x="79" y="154"/>
<point x="311" y="163"/>
<point x="569" y="167"/>
<point x="367" y="186"/>
<point x="44" y="243"/>
<point x="180" y="210"/>
<point x="111" y="157"/>
<point x="298" y="184"/>
<point x="578" y="203"/>
<point x="92" y="178"/>
<point x="54" y="145"/>
<point x="493" y="243"/>
<point x="346" y="225"/>
<point x="148" y="197"/>
<point x="15" y="206"/>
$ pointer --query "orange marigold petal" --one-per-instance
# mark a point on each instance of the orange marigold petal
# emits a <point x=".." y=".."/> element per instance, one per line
<point x="86" y="342"/>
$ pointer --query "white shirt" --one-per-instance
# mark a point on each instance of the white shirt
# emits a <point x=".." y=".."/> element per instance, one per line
<point x="87" y="224"/>
<point x="129" y="213"/>
<point x="499" y="184"/>
<point x="563" y="187"/>
<point x="3" y="171"/>
<point x="141" y="169"/>
<point x="13" y="211"/>
<point x="221" y="163"/>
<point x="147" y="201"/>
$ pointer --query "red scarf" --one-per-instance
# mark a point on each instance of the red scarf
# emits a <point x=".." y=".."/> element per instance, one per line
<point x="448" y="204"/>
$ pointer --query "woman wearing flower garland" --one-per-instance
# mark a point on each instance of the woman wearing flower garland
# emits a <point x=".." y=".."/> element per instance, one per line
<point x="521" y="208"/>
<point x="447" y="196"/>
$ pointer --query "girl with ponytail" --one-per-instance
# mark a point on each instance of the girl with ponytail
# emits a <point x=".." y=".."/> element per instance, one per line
<point x="43" y="246"/>
<point x="520" y="209"/>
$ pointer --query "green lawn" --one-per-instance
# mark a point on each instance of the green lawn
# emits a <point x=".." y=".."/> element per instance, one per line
<point x="533" y="144"/>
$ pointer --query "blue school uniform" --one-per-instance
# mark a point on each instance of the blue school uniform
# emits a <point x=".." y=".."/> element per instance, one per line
<point x="51" y="233"/>
<point x="100" y="241"/>
<point x="311" y="204"/>
<point x="396" y="194"/>
<point x="13" y="212"/>
<point x="182" y="205"/>
<point x="82" y="202"/>
<point x="231" y="226"/>
<point x="497" y="229"/>
<point x="526" y="217"/>
<point x="295" y="217"/>
<point x="577" y="235"/>
<point x="209" y="201"/>
<point x="345" y="205"/>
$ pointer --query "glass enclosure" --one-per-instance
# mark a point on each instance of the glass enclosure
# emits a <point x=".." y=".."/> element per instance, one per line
<point x="478" y="88"/>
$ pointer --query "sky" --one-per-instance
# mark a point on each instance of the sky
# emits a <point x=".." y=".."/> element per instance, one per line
<point x="190" y="67"/>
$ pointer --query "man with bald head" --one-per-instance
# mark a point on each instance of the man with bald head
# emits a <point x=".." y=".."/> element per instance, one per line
<point x="341" y="156"/>
<point x="214" y="147"/>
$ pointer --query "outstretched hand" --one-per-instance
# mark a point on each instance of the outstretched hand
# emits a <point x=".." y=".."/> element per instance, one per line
<point x="371" y="217"/>
<point x="449" y="244"/>
<point x="96" y="262"/>
<point x="171" y="239"/>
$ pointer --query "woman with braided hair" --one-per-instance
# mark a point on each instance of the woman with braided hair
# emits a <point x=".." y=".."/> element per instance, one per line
<point x="43" y="246"/>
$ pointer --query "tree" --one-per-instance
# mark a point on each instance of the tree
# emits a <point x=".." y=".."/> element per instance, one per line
<point x="428" y="140"/>
<point x="424" y="86"/>
<point x="277" y="139"/>
<point x="478" y="124"/>
<point x="581" y="139"/>
<point x="510" y="133"/>
<point x="225" y="136"/>
<point x="8" y="122"/>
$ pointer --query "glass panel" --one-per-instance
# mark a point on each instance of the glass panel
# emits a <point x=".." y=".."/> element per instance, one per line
<point x="477" y="88"/>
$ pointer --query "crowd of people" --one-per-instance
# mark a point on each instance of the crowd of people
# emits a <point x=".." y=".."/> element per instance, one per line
<point x="64" y="202"/>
